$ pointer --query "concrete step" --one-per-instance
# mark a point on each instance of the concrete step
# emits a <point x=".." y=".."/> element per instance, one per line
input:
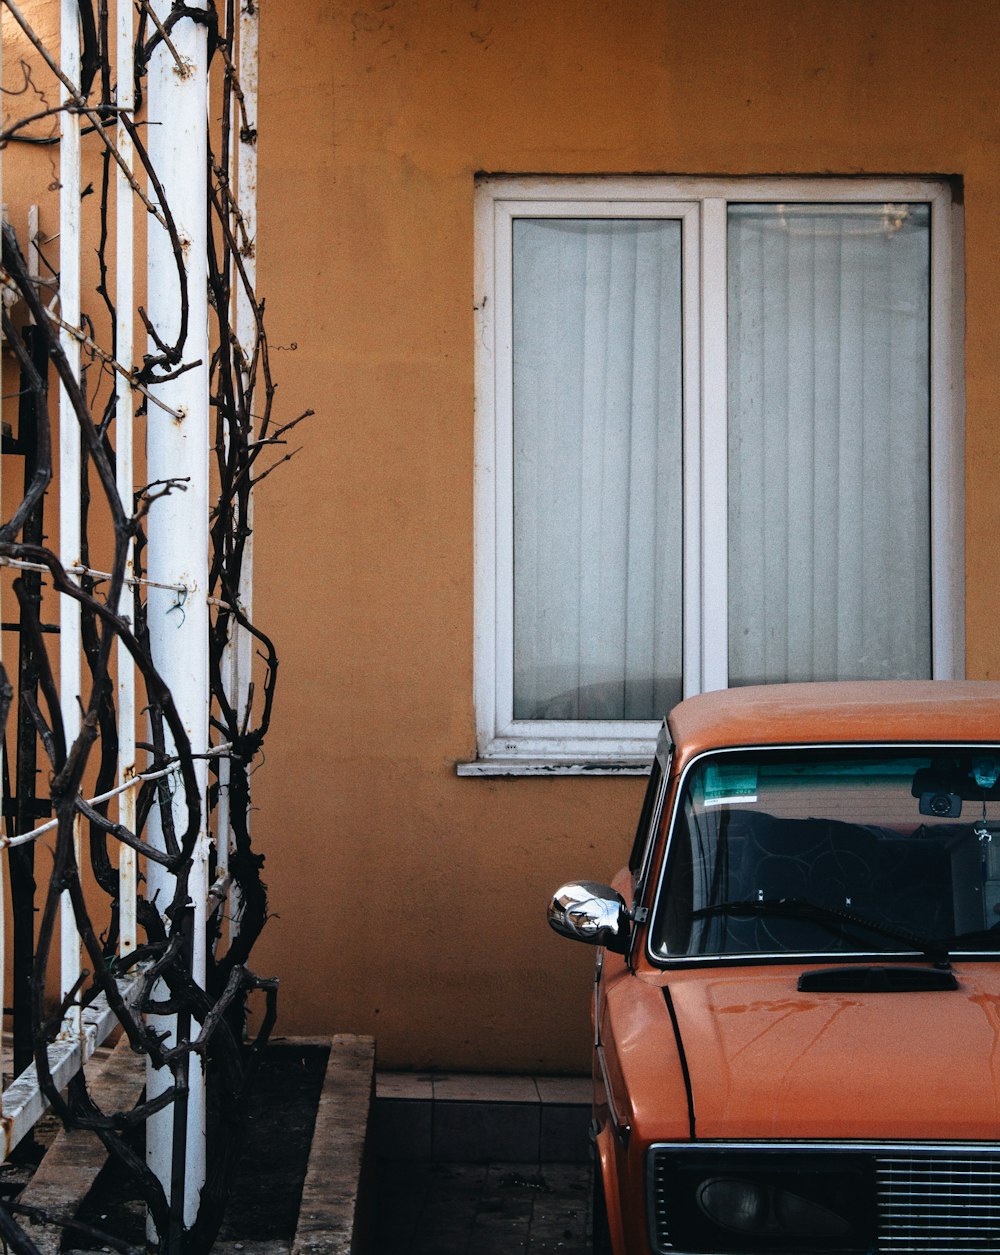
<point x="70" y="1166"/>
<point x="335" y="1214"/>
<point x="464" y="1118"/>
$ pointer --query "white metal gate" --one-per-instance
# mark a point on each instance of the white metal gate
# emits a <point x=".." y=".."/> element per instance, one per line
<point x="179" y="708"/>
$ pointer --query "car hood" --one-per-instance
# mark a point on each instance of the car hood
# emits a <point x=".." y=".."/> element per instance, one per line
<point x="765" y="1060"/>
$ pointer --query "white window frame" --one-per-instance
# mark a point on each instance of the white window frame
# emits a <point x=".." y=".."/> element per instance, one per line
<point x="509" y="746"/>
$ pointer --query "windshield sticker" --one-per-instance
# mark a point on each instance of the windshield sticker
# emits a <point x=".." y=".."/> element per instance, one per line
<point x="730" y="784"/>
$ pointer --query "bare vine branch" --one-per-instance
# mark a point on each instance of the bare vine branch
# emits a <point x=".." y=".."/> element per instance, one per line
<point x="242" y="396"/>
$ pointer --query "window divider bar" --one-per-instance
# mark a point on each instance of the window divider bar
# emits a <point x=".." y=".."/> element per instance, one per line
<point x="692" y="314"/>
<point x="501" y="324"/>
<point x="947" y="446"/>
<point x="485" y="573"/>
<point x="712" y="565"/>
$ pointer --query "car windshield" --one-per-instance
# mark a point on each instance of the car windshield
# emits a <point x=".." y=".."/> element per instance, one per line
<point x="874" y="852"/>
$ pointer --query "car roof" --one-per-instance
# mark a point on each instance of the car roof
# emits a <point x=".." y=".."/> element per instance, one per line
<point x="849" y="711"/>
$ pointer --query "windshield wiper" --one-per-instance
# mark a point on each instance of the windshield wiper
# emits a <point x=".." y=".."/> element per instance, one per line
<point x="837" y="921"/>
<point x="978" y="936"/>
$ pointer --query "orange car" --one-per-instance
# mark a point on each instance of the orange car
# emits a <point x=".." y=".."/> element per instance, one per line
<point x="797" y="1005"/>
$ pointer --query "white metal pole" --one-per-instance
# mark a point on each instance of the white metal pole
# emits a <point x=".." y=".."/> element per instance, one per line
<point x="69" y="449"/>
<point x="223" y="827"/>
<point x="223" y="840"/>
<point x="177" y="448"/>
<point x="246" y="335"/>
<point x="3" y="740"/>
<point x="34" y="257"/>
<point x="124" y="351"/>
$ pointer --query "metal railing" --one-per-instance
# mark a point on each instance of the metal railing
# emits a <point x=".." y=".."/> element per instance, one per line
<point x="176" y="690"/>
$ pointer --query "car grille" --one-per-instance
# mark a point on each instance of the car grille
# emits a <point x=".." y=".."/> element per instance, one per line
<point x="938" y="1202"/>
<point x="934" y="1200"/>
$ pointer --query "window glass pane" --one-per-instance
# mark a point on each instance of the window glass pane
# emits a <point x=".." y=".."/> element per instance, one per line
<point x="597" y="468"/>
<point x="798" y="851"/>
<point x="829" y="442"/>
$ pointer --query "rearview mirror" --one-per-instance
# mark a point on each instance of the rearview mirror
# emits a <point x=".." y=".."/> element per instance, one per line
<point x="584" y="910"/>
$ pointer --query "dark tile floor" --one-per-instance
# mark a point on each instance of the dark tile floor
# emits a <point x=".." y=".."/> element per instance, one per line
<point x="482" y="1209"/>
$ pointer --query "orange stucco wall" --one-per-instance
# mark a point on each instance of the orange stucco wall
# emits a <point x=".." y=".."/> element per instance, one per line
<point x="411" y="901"/>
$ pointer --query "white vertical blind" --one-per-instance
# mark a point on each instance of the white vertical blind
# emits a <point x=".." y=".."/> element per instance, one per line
<point x="597" y="467"/>
<point x="829" y="442"/>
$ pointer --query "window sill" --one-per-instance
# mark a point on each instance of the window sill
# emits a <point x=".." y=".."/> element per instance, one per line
<point x="495" y="767"/>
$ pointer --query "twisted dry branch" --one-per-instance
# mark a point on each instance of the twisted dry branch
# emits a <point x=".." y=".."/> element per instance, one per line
<point x="242" y="396"/>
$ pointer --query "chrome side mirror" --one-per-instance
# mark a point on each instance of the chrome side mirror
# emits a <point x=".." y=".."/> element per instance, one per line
<point x="586" y="911"/>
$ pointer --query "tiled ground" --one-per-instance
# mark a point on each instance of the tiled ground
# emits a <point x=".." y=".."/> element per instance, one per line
<point x="482" y="1209"/>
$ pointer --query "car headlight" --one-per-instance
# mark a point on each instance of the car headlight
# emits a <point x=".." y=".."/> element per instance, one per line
<point x="747" y="1200"/>
<point x="753" y="1208"/>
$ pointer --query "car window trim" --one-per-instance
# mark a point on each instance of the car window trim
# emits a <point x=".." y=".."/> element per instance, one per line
<point x="813" y="956"/>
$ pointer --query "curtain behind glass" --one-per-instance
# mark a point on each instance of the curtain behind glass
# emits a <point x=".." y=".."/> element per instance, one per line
<point x="597" y="468"/>
<point x="829" y="475"/>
